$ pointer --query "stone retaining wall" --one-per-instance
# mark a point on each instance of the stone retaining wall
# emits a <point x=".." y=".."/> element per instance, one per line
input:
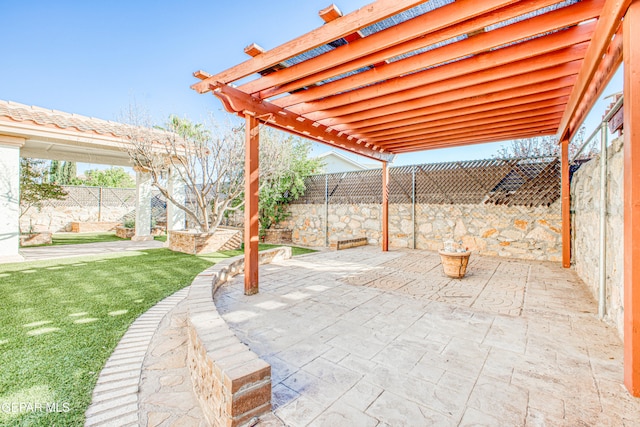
<point x="232" y="383"/>
<point x="222" y="239"/>
<point x="585" y="202"/>
<point x="59" y="218"/>
<point x="516" y="232"/>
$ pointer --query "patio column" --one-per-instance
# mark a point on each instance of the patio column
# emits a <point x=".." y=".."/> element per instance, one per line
<point x="385" y="207"/>
<point x="143" y="206"/>
<point x="251" y="174"/>
<point x="566" y="205"/>
<point x="176" y="217"/>
<point x="10" y="198"/>
<point x="631" y="54"/>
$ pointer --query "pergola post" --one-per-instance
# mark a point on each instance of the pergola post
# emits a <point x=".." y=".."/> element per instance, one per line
<point x="385" y="207"/>
<point x="566" y="205"/>
<point x="143" y="206"/>
<point x="631" y="46"/>
<point x="10" y="198"/>
<point x="252" y="174"/>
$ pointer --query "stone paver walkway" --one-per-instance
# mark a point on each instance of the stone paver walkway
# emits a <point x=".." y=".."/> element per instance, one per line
<point x="365" y="338"/>
<point x="116" y="397"/>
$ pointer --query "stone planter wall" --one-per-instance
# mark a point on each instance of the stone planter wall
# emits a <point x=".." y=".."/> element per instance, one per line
<point x="59" y="218"/>
<point x="515" y="232"/>
<point x="93" y="226"/>
<point x="125" y="233"/>
<point x="585" y="203"/>
<point x="43" y="238"/>
<point x="223" y="239"/>
<point x="232" y="383"/>
<point x="277" y="235"/>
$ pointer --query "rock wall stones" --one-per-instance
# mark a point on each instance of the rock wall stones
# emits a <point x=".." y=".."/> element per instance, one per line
<point x="59" y="218"/>
<point x="223" y="239"/>
<point x="232" y="384"/>
<point x="515" y="232"/>
<point x="585" y="202"/>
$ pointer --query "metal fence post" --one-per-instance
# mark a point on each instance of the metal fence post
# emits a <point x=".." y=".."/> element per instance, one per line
<point x="99" y="204"/>
<point x="326" y="209"/>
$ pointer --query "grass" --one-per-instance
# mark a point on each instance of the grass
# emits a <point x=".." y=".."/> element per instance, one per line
<point x="78" y="238"/>
<point x="61" y="319"/>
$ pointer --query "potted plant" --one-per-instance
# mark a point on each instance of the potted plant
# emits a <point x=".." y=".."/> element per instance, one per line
<point x="454" y="258"/>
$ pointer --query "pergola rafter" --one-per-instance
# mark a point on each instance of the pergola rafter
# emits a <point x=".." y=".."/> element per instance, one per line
<point x="400" y="76"/>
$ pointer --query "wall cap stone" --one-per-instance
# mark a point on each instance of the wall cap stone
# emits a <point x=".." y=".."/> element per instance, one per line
<point x="232" y="384"/>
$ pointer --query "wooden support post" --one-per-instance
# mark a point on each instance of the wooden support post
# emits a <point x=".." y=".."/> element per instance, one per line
<point x="566" y="206"/>
<point x="385" y="207"/>
<point x="251" y="173"/>
<point x="631" y="46"/>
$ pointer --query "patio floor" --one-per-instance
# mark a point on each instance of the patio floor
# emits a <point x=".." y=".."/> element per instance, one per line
<point x="366" y="338"/>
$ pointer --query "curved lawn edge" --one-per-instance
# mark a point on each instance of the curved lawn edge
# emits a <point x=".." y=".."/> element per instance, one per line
<point x="115" y="396"/>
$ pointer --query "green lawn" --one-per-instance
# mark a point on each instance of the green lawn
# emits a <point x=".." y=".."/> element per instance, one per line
<point x="77" y="238"/>
<point x="61" y="319"/>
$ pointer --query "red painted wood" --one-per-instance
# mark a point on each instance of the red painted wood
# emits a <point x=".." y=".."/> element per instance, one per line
<point x="566" y="206"/>
<point x="252" y="173"/>
<point x="385" y="207"/>
<point x="631" y="107"/>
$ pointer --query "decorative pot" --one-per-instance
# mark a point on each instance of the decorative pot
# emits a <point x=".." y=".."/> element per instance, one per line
<point x="454" y="264"/>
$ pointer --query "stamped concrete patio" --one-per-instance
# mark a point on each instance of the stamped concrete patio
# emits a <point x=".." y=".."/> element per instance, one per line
<point x="362" y="337"/>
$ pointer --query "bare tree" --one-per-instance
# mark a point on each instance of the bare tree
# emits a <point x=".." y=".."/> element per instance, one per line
<point x="209" y="159"/>
<point x="543" y="146"/>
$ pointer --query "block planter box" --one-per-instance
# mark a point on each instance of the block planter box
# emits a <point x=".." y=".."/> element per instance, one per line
<point x="128" y="233"/>
<point x="33" y="239"/>
<point x="93" y="227"/>
<point x="125" y="233"/>
<point x="190" y="242"/>
<point x="277" y="235"/>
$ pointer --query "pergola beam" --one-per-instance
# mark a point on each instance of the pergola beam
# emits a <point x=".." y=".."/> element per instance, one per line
<point x="484" y="83"/>
<point x="517" y="96"/>
<point x="524" y="113"/>
<point x="606" y="69"/>
<point x="446" y="22"/>
<point x="238" y="102"/>
<point x="556" y="20"/>
<point x="498" y="137"/>
<point x="476" y="131"/>
<point x="467" y="72"/>
<point x="632" y="199"/>
<point x="607" y="25"/>
<point x="327" y="33"/>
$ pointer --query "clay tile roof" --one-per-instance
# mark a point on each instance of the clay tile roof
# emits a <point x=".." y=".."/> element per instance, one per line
<point x="44" y="117"/>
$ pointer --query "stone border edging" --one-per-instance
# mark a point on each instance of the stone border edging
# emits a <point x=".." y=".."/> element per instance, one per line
<point x="115" y="397"/>
<point x="232" y="384"/>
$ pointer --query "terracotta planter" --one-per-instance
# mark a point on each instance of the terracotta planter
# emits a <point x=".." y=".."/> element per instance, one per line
<point x="454" y="264"/>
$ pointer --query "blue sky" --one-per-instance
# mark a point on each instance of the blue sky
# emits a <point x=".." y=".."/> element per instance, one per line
<point x="96" y="57"/>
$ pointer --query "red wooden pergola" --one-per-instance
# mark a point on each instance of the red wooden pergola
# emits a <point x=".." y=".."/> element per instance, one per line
<point x="399" y="76"/>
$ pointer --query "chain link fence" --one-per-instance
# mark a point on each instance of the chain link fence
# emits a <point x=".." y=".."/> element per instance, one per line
<point x="527" y="182"/>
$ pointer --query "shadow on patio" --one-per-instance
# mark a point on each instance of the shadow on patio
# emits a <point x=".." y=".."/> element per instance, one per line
<point x="362" y="337"/>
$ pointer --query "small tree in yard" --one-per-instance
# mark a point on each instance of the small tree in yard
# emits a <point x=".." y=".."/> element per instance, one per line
<point x="113" y="177"/>
<point x="33" y="186"/>
<point x="284" y="183"/>
<point x="208" y="160"/>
